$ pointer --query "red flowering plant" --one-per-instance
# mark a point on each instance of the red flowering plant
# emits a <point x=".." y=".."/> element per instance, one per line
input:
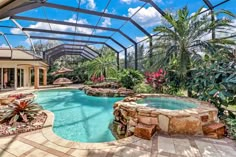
<point x="20" y="111"/>
<point x="156" y="79"/>
<point x="97" y="79"/>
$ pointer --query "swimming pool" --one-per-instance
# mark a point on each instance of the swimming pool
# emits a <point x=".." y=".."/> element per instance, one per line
<point x="79" y="117"/>
<point x="166" y="103"/>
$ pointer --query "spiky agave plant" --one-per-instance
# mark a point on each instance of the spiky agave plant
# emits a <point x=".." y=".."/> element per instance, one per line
<point x="20" y="111"/>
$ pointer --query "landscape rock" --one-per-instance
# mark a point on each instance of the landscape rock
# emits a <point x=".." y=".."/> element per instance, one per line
<point x="214" y="130"/>
<point x="108" y="92"/>
<point x="163" y="123"/>
<point x="144" y="120"/>
<point x="185" y="125"/>
<point x="144" y="131"/>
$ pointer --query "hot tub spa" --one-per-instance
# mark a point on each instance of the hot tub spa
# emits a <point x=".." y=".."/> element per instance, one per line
<point x="169" y="114"/>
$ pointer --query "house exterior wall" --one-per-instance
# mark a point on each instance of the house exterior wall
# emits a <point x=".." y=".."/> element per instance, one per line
<point x="26" y="66"/>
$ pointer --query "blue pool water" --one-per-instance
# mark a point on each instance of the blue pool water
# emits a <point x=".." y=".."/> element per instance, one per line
<point x="79" y="117"/>
<point x="166" y="103"/>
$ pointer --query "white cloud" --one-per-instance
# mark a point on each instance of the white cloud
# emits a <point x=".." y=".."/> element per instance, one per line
<point x="4" y="46"/>
<point x="147" y="17"/>
<point x="90" y="4"/>
<point x="126" y="1"/>
<point x="80" y="21"/>
<point x="132" y="1"/>
<point x="65" y="28"/>
<point x="57" y="27"/>
<point x="106" y="22"/>
<point x="16" y="31"/>
<point x="140" y="38"/>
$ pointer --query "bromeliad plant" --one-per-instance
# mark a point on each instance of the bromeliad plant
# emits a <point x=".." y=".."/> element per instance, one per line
<point x="98" y="79"/>
<point x="20" y="111"/>
<point x="156" y="79"/>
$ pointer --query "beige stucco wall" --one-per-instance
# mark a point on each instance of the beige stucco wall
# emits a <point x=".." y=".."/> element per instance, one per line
<point x="20" y="59"/>
<point x="13" y="63"/>
<point x="16" y="54"/>
<point x="25" y="65"/>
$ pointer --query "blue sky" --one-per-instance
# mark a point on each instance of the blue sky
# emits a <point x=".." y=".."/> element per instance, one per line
<point x="147" y="17"/>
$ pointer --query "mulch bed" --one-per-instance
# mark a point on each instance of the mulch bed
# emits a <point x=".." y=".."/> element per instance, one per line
<point x="21" y="127"/>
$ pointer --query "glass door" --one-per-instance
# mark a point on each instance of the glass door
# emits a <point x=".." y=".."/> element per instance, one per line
<point x="20" y="78"/>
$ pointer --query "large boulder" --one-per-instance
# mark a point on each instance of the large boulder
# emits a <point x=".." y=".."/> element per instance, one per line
<point x="185" y="125"/>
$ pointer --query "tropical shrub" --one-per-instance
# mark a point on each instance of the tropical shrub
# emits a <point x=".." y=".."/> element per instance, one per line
<point x="156" y="79"/>
<point x="129" y="78"/>
<point x="97" y="79"/>
<point x="231" y="127"/>
<point x="104" y="65"/>
<point x="173" y="85"/>
<point x="88" y="83"/>
<point x="178" y="46"/>
<point x="20" y="111"/>
<point x="215" y="83"/>
<point x="143" y="88"/>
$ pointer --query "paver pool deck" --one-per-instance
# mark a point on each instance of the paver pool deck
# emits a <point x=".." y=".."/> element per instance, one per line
<point x="35" y="144"/>
<point x="44" y="143"/>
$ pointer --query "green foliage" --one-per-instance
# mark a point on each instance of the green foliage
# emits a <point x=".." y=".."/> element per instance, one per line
<point x="215" y="81"/>
<point x="143" y="88"/>
<point x="20" y="111"/>
<point x="231" y="125"/>
<point x="129" y="78"/>
<point x="88" y="83"/>
<point x="173" y="85"/>
<point x="104" y="65"/>
<point x="177" y="46"/>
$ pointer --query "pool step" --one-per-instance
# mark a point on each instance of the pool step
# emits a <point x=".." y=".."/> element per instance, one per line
<point x="214" y="130"/>
<point x="145" y="131"/>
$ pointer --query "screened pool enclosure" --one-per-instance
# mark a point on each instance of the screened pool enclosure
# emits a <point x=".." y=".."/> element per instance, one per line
<point x="83" y="26"/>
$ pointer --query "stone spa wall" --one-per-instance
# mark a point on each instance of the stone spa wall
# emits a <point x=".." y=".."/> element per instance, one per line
<point x="134" y="119"/>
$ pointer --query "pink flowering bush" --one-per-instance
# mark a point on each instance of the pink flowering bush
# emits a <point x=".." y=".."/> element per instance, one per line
<point x="97" y="79"/>
<point x="156" y="79"/>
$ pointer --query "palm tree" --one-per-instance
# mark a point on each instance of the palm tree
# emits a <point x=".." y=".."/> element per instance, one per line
<point x="179" y="46"/>
<point x="104" y="65"/>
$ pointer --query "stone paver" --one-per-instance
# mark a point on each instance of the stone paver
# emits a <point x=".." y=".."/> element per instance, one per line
<point x="39" y="153"/>
<point x="38" y="137"/>
<point x="57" y="147"/>
<point x="81" y="153"/>
<point x="17" y="148"/>
<point x="131" y="152"/>
<point x="187" y="151"/>
<point x="225" y="150"/>
<point x="34" y="144"/>
<point x="5" y="153"/>
<point x="166" y="144"/>
<point x="207" y="149"/>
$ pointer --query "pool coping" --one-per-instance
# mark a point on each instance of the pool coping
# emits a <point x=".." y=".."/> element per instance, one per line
<point x="187" y="121"/>
<point x="201" y="106"/>
<point x="49" y="134"/>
